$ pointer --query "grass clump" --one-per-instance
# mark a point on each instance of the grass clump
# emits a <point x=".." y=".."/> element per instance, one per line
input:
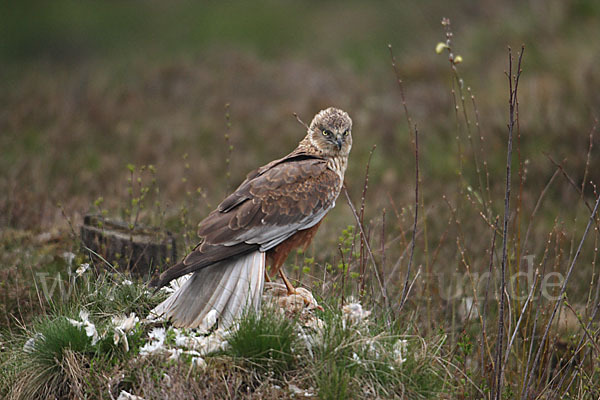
<point x="368" y="360"/>
<point x="265" y="341"/>
<point x="51" y="363"/>
<point x="69" y="350"/>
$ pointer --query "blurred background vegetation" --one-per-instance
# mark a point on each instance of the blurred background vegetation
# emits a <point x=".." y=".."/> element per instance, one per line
<point x="88" y="88"/>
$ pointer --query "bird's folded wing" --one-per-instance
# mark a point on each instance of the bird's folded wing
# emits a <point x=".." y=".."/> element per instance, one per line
<point x="271" y="205"/>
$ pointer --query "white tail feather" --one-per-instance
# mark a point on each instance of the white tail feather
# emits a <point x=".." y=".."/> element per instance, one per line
<point x="228" y="287"/>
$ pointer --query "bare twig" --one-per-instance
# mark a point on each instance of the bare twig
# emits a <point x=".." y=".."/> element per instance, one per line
<point x="361" y="215"/>
<point x="301" y="122"/>
<point x="487" y="291"/>
<point x="401" y="87"/>
<point x="412" y="246"/>
<point x="513" y="84"/>
<point x="529" y="297"/>
<point x="587" y="161"/>
<point x="343" y="275"/>
<point x="537" y="206"/>
<point x="537" y="309"/>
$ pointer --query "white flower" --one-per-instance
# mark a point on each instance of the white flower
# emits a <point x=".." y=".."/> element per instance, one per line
<point x="122" y="326"/>
<point x="156" y="342"/>
<point x="400" y="350"/>
<point x="125" y="323"/>
<point x="119" y="336"/>
<point x="82" y="269"/>
<point x="199" y="341"/>
<point x="174" y="353"/>
<point x="29" y="345"/>
<point x="296" y="391"/>
<point x="127" y="282"/>
<point x="124" y="395"/>
<point x="354" y="313"/>
<point x="90" y="328"/>
<point x="198" y="362"/>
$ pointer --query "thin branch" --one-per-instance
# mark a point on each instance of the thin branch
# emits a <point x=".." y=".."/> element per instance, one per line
<point x="511" y="125"/>
<point x="587" y="161"/>
<point x="412" y="246"/>
<point x="361" y="215"/>
<point x="529" y="297"/>
<point x="401" y="87"/>
<point x="487" y="291"/>
<point x="301" y="122"/>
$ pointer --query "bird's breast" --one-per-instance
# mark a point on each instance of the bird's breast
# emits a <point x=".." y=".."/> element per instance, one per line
<point x="338" y="165"/>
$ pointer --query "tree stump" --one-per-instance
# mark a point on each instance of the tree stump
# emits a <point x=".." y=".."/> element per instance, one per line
<point x="141" y="251"/>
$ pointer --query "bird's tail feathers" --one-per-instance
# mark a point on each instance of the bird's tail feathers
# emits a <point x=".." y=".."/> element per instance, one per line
<point x="228" y="287"/>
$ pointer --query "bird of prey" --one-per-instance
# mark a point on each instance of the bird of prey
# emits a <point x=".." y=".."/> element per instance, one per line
<point x="276" y="209"/>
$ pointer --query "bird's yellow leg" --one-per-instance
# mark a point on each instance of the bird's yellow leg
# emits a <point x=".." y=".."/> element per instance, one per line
<point x="291" y="289"/>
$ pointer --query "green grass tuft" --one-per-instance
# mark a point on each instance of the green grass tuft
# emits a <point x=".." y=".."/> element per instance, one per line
<point x="265" y="341"/>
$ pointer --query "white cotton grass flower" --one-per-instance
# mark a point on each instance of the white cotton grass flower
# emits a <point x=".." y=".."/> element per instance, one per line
<point x="197" y="340"/>
<point x="354" y="313"/>
<point x="123" y="325"/>
<point x="199" y="362"/>
<point x="30" y="344"/>
<point x="205" y="344"/>
<point x="82" y="269"/>
<point x="296" y="391"/>
<point x="125" y="395"/>
<point x="121" y="337"/>
<point x="174" y="353"/>
<point x="156" y="343"/>
<point x="400" y="351"/>
<point x="307" y="339"/>
<point x="90" y="328"/>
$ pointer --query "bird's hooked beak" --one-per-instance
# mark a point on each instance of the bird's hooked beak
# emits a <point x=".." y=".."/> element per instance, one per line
<point x="339" y="140"/>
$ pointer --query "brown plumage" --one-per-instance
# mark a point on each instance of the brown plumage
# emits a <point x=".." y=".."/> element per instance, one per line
<point x="276" y="209"/>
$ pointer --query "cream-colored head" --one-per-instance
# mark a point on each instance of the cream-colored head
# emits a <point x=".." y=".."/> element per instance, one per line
<point x="331" y="132"/>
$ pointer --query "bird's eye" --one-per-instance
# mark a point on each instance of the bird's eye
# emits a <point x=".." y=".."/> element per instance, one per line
<point x="346" y="133"/>
<point x="325" y="132"/>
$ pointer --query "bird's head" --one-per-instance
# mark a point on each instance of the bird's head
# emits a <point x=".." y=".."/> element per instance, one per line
<point x="331" y="132"/>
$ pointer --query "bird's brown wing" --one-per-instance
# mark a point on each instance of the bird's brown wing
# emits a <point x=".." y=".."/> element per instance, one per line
<point x="272" y="204"/>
